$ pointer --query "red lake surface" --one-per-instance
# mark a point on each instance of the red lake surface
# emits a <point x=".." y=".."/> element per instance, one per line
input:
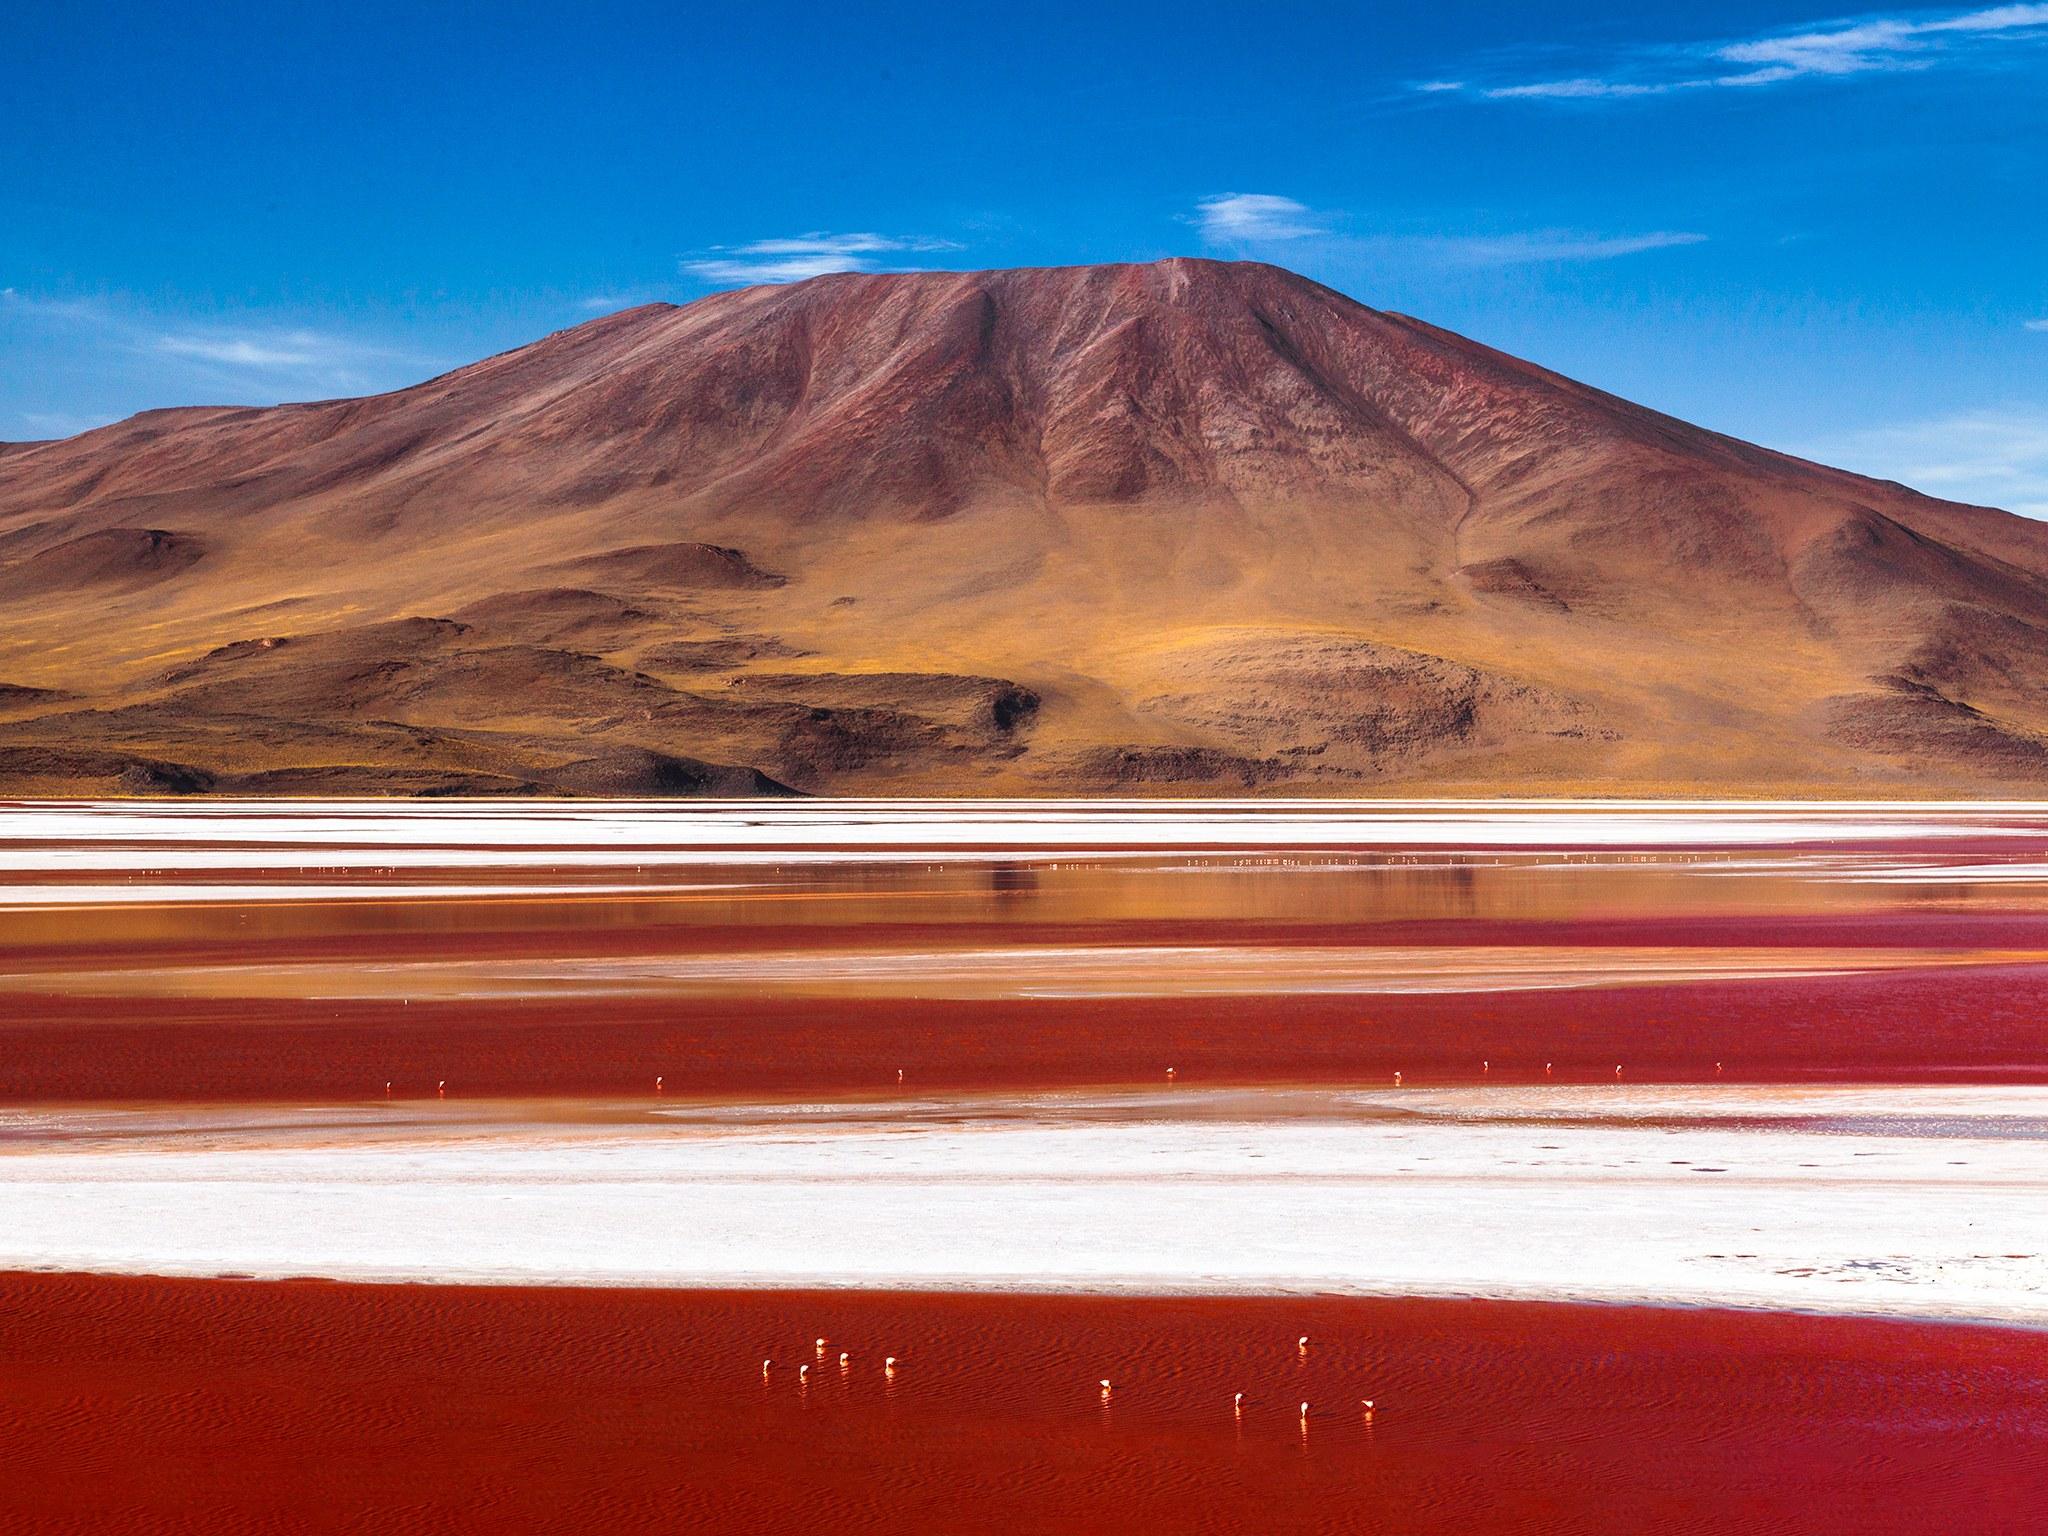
<point x="565" y="961"/>
<point x="302" y="952"/>
<point x="206" y="1406"/>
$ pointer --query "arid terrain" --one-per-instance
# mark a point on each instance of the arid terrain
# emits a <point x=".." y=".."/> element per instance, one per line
<point x="1177" y="528"/>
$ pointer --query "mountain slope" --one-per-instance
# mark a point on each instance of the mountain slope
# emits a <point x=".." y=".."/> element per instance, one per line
<point x="1184" y="526"/>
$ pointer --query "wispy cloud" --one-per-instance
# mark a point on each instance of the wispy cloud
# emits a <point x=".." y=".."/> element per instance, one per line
<point x="273" y="351"/>
<point x="263" y="358"/>
<point x="1876" y="44"/>
<point x="1993" y="457"/>
<point x="792" y="258"/>
<point x="787" y="269"/>
<point x="1252" y="216"/>
<point x="63" y="311"/>
<point x="1556" y="245"/>
<point x="1251" y="220"/>
<point x="1583" y="88"/>
<point x="2035" y="325"/>
<point x="42" y="424"/>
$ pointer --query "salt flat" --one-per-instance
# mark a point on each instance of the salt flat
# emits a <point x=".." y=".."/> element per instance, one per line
<point x="1927" y="1201"/>
<point x="1093" y="971"/>
<point x="340" y="834"/>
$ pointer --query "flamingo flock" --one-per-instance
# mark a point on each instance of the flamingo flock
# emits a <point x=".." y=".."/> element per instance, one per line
<point x="1172" y="1074"/>
<point x="1104" y="1387"/>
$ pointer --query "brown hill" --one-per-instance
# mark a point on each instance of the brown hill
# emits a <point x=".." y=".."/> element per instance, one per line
<point x="1185" y="526"/>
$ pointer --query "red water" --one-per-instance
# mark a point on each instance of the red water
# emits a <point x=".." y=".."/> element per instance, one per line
<point x="207" y="1007"/>
<point x="210" y="1406"/>
<point x="192" y="1406"/>
<point x="1984" y="1025"/>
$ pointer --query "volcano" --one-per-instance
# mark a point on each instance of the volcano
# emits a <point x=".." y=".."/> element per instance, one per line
<point x="1183" y="527"/>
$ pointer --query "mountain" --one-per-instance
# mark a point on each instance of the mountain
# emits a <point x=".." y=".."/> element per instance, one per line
<point x="1179" y="527"/>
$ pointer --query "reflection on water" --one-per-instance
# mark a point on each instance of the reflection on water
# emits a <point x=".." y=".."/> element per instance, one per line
<point x="282" y="911"/>
<point x="1355" y="884"/>
<point x="1047" y="973"/>
<point x="101" y="881"/>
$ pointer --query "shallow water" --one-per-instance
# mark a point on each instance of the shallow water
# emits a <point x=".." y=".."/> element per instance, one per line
<point x="1599" y="1051"/>
<point x="202" y="1406"/>
<point x="275" y="950"/>
<point x="1216" y="1074"/>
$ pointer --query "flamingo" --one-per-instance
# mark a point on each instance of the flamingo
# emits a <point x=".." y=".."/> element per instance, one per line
<point x="441" y="1088"/>
<point x="764" y="1368"/>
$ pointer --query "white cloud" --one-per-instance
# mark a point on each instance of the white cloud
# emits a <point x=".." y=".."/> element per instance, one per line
<point x="2035" y="325"/>
<point x="1820" y="50"/>
<point x="792" y="258"/>
<point x="296" y="358"/>
<point x="1557" y="245"/>
<point x="265" y="360"/>
<point x="1992" y="457"/>
<point x="818" y="243"/>
<point x="1897" y="42"/>
<point x="296" y="349"/>
<point x="787" y="269"/>
<point x="46" y="424"/>
<point x="30" y="306"/>
<point x="1583" y="88"/>
<point x="1254" y="216"/>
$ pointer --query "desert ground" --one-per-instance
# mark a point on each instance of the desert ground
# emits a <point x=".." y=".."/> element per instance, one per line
<point x="1191" y="527"/>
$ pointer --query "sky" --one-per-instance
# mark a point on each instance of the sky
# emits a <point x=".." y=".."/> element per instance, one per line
<point x="1822" y="232"/>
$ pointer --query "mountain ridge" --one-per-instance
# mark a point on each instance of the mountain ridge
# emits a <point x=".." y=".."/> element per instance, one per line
<point x="1225" y="526"/>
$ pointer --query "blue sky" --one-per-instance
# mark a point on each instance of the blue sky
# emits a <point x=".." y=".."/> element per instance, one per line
<point x="1824" y="232"/>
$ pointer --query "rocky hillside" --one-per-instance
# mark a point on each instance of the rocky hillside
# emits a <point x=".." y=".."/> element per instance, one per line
<point x="1185" y="527"/>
